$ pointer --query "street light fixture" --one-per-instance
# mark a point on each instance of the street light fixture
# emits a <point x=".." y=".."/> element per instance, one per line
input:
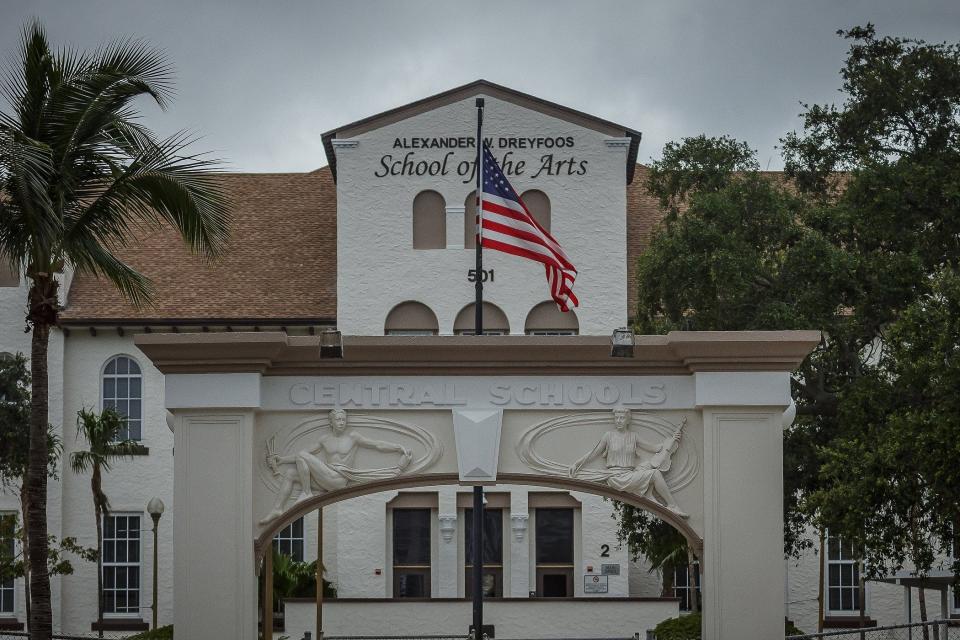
<point x="155" y="509"/>
<point x="621" y="343"/>
<point x="331" y="344"/>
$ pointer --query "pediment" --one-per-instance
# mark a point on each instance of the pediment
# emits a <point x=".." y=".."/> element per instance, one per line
<point x="485" y="88"/>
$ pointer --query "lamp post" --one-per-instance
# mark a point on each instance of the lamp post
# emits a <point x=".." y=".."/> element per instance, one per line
<point x="155" y="509"/>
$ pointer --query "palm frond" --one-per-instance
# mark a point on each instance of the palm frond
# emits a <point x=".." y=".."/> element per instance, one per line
<point x="162" y="184"/>
<point x="89" y="256"/>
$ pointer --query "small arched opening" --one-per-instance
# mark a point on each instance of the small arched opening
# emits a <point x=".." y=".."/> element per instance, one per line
<point x="411" y="318"/>
<point x="495" y="321"/>
<point x="546" y="319"/>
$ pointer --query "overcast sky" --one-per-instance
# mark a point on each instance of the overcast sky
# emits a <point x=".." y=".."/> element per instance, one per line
<point x="261" y="80"/>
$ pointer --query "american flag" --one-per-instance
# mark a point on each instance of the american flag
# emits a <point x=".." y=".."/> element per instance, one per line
<point x="508" y="226"/>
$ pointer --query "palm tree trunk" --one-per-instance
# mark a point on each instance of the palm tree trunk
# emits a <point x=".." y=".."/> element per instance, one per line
<point x="692" y="570"/>
<point x="43" y="313"/>
<point x="98" y="510"/>
<point x="24" y="510"/>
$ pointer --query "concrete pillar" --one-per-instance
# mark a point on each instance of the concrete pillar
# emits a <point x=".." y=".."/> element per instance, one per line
<point x="214" y="577"/>
<point x="215" y="589"/>
<point x="743" y="569"/>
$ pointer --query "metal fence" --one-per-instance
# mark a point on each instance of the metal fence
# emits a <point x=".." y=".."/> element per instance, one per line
<point x="932" y="630"/>
<point x="15" y="635"/>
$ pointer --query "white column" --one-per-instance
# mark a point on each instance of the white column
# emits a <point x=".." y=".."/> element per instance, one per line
<point x="215" y="583"/>
<point x="455" y="224"/>
<point x="743" y="568"/>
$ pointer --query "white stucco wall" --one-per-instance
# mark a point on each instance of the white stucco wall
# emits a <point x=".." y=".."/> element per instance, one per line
<point x="512" y="619"/>
<point x="885" y="603"/>
<point x="129" y="484"/>
<point x="377" y="267"/>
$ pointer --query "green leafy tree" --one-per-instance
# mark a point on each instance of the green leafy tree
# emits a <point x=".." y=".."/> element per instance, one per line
<point x="78" y="172"/>
<point x="102" y="433"/>
<point x="894" y="491"/>
<point x="663" y="547"/>
<point x="14" y="456"/>
<point x="854" y="237"/>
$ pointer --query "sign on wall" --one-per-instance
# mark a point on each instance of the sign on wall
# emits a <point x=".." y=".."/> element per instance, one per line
<point x="595" y="584"/>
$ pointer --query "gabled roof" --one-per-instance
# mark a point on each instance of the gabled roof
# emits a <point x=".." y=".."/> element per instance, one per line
<point x="494" y="90"/>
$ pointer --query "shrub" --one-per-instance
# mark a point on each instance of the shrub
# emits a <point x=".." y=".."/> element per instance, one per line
<point x="683" y="628"/>
<point x="160" y="633"/>
<point x="688" y="628"/>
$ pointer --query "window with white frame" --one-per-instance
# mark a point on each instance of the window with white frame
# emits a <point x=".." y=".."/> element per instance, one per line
<point x="289" y="541"/>
<point x="681" y="585"/>
<point x="121" y="564"/>
<point x="843" y="576"/>
<point x="8" y="549"/>
<point x="123" y="391"/>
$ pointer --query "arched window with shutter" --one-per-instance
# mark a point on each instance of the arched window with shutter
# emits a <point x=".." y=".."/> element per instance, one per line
<point x="538" y="204"/>
<point x="429" y="221"/>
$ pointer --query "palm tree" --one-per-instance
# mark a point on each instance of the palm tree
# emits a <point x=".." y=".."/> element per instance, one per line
<point x="102" y="432"/>
<point x="78" y="172"/>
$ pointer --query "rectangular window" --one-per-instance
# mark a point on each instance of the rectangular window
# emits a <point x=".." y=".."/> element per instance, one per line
<point x="554" y="552"/>
<point x="289" y="541"/>
<point x="8" y="550"/>
<point x="681" y="585"/>
<point x="843" y="576"/>
<point x="492" y="552"/>
<point x="411" y="553"/>
<point x="121" y="564"/>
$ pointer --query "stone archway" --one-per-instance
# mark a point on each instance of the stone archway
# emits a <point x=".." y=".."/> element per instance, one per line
<point x="438" y="410"/>
<point x="301" y="509"/>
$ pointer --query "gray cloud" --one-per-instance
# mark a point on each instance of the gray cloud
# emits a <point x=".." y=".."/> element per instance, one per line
<point x="262" y="80"/>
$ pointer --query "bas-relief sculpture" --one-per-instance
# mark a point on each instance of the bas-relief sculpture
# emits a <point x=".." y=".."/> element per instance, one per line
<point x="631" y="463"/>
<point x="330" y="464"/>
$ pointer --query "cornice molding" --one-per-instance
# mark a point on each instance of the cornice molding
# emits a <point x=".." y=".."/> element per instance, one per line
<point x="277" y="353"/>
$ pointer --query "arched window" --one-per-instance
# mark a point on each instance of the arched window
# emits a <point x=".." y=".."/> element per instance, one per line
<point x="494" y="321"/>
<point x="122" y="386"/>
<point x="546" y="319"/>
<point x="429" y="221"/>
<point x="470" y="221"/>
<point x="538" y="204"/>
<point x="411" y="319"/>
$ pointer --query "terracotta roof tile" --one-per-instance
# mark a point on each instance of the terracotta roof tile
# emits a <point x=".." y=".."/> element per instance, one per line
<point x="280" y="261"/>
<point x="643" y="215"/>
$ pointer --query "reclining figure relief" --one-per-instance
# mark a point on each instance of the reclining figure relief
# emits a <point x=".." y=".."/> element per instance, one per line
<point x="330" y="464"/>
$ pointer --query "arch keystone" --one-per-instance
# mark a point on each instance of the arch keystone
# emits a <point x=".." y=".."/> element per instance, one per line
<point x="477" y="433"/>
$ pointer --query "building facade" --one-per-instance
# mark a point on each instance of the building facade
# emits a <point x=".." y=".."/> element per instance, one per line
<point x="380" y="243"/>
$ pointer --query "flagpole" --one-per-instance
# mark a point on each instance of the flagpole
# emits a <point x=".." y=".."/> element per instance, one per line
<point x="477" y="559"/>
<point x="478" y="306"/>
